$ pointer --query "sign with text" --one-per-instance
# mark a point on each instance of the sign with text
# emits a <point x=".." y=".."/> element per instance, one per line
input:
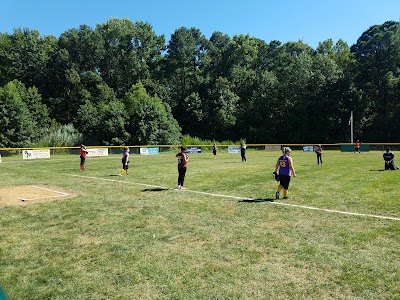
<point x="233" y="149"/>
<point x="35" y="154"/>
<point x="308" y="149"/>
<point x="150" y="151"/>
<point x="193" y="150"/>
<point x="97" y="152"/>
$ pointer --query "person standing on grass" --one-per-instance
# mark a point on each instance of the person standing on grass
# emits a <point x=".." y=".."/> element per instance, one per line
<point x="214" y="149"/>
<point x="243" y="151"/>
<point x="125" y="162"/>
<point x="318" y="150"/>
<point x="183" y="159"/>
<point x="83" y="152"/>
<point x="357" y="146"/>
<point x="286" y="170"/>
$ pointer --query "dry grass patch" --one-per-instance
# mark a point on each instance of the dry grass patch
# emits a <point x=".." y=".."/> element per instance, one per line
<point x="31" y="194"/>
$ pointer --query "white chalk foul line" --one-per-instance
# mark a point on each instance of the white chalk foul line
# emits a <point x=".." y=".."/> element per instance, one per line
<point x="246" y="198"/>
<point x="38" y="187"/>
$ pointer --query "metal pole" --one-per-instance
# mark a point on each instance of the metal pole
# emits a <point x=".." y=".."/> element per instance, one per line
<point x="351" y="126"/>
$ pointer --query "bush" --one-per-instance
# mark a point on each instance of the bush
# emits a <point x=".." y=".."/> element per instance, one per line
<point x="61" y="136"/>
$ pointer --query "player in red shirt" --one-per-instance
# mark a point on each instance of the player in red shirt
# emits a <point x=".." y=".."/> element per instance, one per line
<point x="357" y="146"/>
<point x="83" y="153"/>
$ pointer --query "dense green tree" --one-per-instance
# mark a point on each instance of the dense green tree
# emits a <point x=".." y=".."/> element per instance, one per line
<point x="23" y="118"/>
<point x="119" y="83"/>
<point x="150" y="120"/>
<point x="377" y="52"/>
<point x="131" y="51"/>
<point x="184" y="65"/>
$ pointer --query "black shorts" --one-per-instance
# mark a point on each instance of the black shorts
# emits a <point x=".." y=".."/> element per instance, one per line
<point x="125" y="166"/>
<point x="284" y="181"/>
<point x="215" y="152"/>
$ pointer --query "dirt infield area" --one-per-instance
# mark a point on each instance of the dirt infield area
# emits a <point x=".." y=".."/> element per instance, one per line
<point x="31" y="194"/>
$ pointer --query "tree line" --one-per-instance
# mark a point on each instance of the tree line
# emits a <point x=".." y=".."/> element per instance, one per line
<point x="120" y="83"/>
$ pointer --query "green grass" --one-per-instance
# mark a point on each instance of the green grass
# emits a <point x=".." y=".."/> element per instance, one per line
<point x="121" y="240"/>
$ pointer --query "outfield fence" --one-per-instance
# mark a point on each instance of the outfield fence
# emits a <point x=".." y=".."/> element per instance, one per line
<point x="13" y="154"/>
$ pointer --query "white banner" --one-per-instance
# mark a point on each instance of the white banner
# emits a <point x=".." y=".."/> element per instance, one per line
<point x="34" y="154"/>
<point x="233" y="149"/>
<point x="97" y="152"/>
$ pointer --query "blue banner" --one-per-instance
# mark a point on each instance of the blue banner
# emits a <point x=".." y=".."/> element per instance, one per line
<point x="149" y="151"/>
<point x="193" y="150"/>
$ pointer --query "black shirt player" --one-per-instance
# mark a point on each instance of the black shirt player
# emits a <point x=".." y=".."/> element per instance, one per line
<point x="388" y="157"/>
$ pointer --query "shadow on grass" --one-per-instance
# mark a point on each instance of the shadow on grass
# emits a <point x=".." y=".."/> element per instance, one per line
<point x="260" y="200"/>
<point x="376" y="170"/>
<point x="155" y="190"/>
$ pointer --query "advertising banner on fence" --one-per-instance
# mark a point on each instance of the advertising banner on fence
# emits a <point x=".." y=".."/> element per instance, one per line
<point x="97" y="152"/>
<point x="233" y="149"/>
<point x="150" y="151"/>
<point x="34" y="154"/>
<point x="193" y="150"/>
<point x="308" y="148"/>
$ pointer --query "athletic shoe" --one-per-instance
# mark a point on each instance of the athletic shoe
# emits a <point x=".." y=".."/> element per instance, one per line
<point x="178" y="187"/>
<point x="119" y="174"/>
<point x="183" y="188"/>
<point x="277" y="195"/>
<point x="286" y="197"/>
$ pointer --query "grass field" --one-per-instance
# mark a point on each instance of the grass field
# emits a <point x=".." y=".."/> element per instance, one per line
<point x="134" y="237"/>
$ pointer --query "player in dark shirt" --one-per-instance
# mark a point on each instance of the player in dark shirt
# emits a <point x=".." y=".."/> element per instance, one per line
<point x="183" y="159"/>
<point x="388" y="157"/>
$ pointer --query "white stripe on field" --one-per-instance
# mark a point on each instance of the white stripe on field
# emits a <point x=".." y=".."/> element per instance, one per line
<point x="244" y="198"/>
<point x="38" y="187"/>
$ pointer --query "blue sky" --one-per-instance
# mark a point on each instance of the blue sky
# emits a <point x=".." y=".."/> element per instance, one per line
<point x="311" y="21"/>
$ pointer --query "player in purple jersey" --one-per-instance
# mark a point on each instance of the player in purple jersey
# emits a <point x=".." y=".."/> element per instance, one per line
<point x="125" y="162"/>
<point x="286" y="170"/>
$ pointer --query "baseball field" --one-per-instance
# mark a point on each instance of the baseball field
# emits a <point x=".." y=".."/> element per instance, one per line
<point x="73" y="234"/>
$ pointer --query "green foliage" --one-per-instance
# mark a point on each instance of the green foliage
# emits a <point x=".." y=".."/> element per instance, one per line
<point x="135" y="237"/>
<point x="60" y="136"/>
<point x="221" y="88"/>
<point x="150" y="120"/>
<point x="23" y="118"/>
<point x="189" y="140"/>
<point x="377" y="53"/>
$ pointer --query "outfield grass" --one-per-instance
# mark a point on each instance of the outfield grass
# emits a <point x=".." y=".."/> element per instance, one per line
<point x="121" y="239"/>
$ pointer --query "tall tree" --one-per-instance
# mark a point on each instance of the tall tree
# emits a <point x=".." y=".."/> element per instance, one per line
<point x="377" y="52"/>
<point x="150" y="120"/>
<point x="23" y="118"/>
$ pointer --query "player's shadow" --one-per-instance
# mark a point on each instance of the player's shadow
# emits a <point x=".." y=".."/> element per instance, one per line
<point x="155" y="189"/>
<point x="259" y="200"/>
<point x="376" y="170"/>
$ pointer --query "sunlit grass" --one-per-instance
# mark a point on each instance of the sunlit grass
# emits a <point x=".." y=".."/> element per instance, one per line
<point x="119" y="239"/>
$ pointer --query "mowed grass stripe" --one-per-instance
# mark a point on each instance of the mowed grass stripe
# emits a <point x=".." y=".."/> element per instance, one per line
<point x="129" y="241"/>
<point x="249" y="199"/>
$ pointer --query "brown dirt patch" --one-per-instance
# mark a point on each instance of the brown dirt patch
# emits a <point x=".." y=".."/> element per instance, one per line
<point x="31" y="194"/>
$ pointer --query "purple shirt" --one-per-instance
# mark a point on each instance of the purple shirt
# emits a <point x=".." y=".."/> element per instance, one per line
<point x="284" y="168"/>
